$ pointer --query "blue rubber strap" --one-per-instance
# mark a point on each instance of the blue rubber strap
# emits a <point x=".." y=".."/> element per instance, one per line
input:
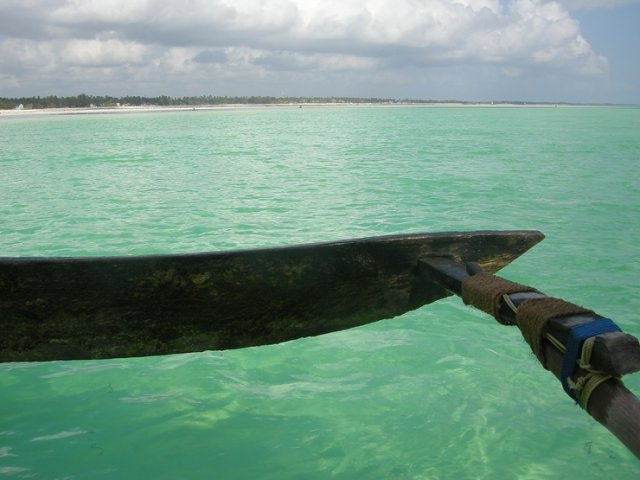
<point x="577" y="335"/>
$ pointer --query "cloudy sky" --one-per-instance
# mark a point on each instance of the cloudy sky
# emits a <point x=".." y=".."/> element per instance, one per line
<point x="530" y="50"/>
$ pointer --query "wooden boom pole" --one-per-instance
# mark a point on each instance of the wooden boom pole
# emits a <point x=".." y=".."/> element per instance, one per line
<point x="592" y="375"/>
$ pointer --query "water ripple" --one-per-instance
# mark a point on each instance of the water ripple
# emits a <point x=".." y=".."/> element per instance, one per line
<point x="442" y="392"/>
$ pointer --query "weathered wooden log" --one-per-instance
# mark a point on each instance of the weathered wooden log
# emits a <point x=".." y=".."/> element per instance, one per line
<point x="105" y="307"/>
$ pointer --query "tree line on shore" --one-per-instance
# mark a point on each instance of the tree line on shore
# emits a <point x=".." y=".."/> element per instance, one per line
<point x="98" y="101"/>
<point x="88" y="101"/>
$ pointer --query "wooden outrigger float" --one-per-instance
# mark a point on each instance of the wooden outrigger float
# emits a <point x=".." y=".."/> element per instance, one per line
<point x="107" y="307"/>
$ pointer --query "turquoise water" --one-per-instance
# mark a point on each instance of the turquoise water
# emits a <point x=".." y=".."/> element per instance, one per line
<point x="443" y="392"/>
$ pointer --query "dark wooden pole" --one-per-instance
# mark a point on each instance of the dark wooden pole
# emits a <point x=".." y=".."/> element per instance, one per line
<point x="611" y="404"/>
<point x="614" y="353"/>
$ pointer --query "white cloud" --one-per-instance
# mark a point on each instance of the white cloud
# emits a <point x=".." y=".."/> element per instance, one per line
<point x="102" y="53"/>
<point x="545" y="35"/>
<point x="203" y="38"/>
<point x="98" y="11"/>
<point x="8" y="81"/>
<point x="178" y="61"/>
<point x="19" y="55"/>
<point x="295" y="61"/>
<point x="437" y="30"/>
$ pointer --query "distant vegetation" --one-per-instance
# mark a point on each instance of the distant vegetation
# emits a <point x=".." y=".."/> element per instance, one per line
<point x="88" y="101"/>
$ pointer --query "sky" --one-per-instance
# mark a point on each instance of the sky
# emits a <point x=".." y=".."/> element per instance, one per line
<point x="585" y="51"/>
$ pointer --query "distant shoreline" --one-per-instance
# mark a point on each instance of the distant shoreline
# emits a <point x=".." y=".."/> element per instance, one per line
<point x="235" y="106"/>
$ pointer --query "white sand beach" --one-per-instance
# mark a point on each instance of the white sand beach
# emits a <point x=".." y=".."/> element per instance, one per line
<point x="250" y="106"/>
<point x="135" y="109"/>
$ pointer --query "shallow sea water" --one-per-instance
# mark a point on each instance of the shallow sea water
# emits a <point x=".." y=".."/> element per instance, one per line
<point x="442" y="392"/>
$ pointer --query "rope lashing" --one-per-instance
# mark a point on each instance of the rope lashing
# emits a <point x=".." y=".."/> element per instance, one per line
<point x="577" y="335"/>
<point x="534" y="314"/>
<point x="485" y="291"/>
<point x="584" y="386"/>
<point x="532" y="317"/>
